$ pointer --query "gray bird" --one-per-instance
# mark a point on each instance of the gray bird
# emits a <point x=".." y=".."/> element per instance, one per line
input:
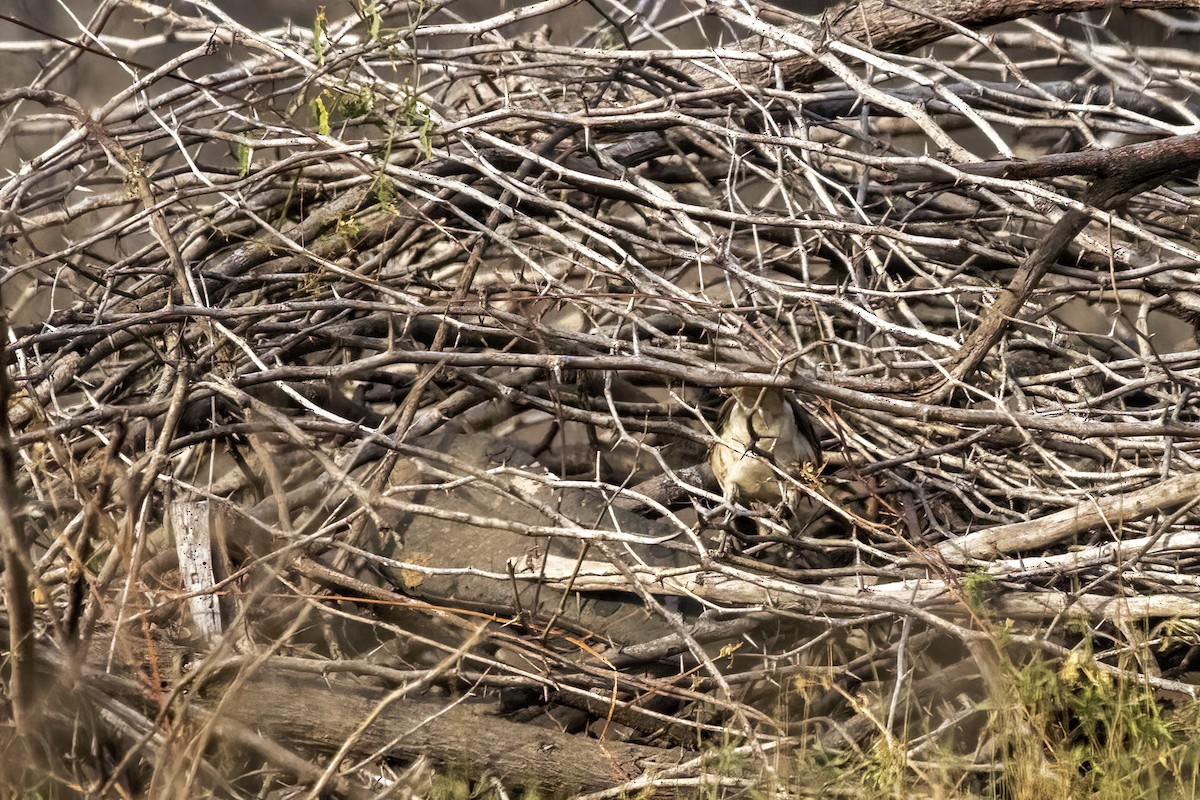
<point x="763" y="432"/>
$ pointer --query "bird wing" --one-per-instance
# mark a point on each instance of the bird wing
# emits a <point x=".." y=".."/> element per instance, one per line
<point x="806" y="430"/>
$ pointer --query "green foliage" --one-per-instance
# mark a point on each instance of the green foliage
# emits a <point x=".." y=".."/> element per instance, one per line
<point x="322" y="115"/>
<point x="727" y="760"/>
<point x="1074" y="729"/>
<point x="359" y="104"/>
<point x="416" y="116"/>
<point x="318" y="33"/>
<point x="385" y="192"/>
<point x="1044" y="729"/>
<point x="885" y="768"/>
<point x="245" y="155"/>
<point x="370" y="12"/>
<point x="350" y="228"/>
<point x="977" y="586"/>
<point x="607" y="39"/>
<point x="456" y="784"/>
<point x="448" y="786"/>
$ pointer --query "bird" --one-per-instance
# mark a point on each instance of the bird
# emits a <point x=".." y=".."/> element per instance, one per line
<point x="763" y="435"/>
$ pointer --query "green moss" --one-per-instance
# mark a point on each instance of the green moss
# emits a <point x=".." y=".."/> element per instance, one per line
<point x="977" y="587"/>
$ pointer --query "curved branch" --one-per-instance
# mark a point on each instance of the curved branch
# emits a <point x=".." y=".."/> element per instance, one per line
<point x="899" y="27"/>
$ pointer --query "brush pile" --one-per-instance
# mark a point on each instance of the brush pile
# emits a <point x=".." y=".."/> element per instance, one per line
<point x="362" y="378"/>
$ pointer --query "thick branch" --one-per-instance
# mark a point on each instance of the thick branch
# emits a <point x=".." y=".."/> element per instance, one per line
<point x="322" y="712"/>
<point x="899" y="27"/>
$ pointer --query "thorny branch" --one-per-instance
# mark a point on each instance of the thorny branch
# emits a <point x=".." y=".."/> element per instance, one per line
<point x="434" y="312"/>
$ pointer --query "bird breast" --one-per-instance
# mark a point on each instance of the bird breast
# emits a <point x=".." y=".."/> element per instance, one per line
<point x="759" y="428"/>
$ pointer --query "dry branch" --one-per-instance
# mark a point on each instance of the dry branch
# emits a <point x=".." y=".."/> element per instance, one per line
<point x="316" y="712"/>
<point x="433" y="314"/>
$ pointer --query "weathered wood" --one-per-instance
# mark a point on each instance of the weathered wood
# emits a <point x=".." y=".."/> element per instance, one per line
<point x="322" y="712"/>
<point x="193" y="543"/>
